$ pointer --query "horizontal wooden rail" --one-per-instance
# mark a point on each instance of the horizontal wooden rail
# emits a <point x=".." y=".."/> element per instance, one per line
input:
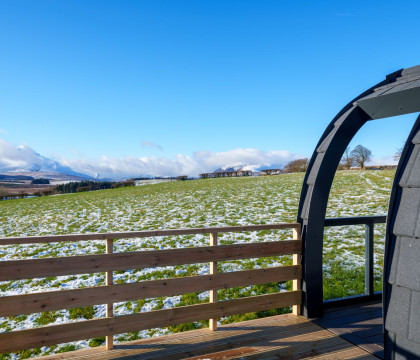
<point x="33" y="268"/>
<point x="56" y="334"/>
<point x="57" y="300"/>
<point x="113" y="293"/>
<point x="141" y="234"/>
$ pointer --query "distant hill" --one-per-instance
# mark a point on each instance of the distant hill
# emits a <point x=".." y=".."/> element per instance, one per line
<point x="31" y="175"/>
<point x="15" y="177"/>
<point x="27" y="162"/>
<point x="248" y="167"/>
<point x="56" y="171"/>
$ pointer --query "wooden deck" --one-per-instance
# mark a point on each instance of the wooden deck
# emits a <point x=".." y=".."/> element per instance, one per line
<point x="361" y="325"/>
<point x="278" y="337"/>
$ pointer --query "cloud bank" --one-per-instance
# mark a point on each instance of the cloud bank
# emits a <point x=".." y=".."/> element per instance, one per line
<point x="387" y="160"/>
<point x="12" y="156"/>
<point x="23" y="157"/>
<point x="199" y="162"/>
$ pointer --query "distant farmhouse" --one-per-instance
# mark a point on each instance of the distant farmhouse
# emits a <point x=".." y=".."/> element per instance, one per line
<point x="237" y="173"/>
<point x="271" y="172"/>
<point x="234" y="173"/>
<point x="299" y="165"/>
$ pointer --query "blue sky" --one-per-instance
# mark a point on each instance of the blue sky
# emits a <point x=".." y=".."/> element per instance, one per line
<point x="97" y="81"/>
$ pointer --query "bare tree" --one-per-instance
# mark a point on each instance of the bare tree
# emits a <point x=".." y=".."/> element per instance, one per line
<point x="398" y="153"/>
<point x="299" y="165"/>
<point x="347" y="160"/>
<point x="3" y="193"/>
<point x="361" y="155"/>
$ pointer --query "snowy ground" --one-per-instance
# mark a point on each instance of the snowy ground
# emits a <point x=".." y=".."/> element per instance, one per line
<point x="171" y="205"/>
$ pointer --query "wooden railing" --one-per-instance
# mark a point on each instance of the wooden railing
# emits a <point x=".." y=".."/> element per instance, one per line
<point x="111" y="293"/>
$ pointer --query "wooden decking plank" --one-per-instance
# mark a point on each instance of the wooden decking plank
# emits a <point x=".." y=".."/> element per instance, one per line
<point x="270" y="324"/>
<point x="331" y="353"/>
<point x="281" y="348"/>
<point x="300" y="347"/>
<point x="359" y="337"/>
<point x="295" y="347"/>
<point x="353" y="353"/>
<point x="276" y="337"/>
<point x="312" y="353"/>
<point x="371" y="316"/>
<point x="361" y="325"/>
<point x="373" y="321"/>
<point x="231" y="345"/>
<point x="201" y="346"/>
<point x="337" y="313"/>
<point x="363" y="344"/>
<point x="371" y="331"/>
<point x="376" y="339"/>
<point x="362" y="333"/>
<point x="229" y="330"/>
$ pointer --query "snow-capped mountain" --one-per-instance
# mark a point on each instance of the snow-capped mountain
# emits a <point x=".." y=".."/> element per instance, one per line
<point x="248" y="167"/>
<point x="24" y="160"/>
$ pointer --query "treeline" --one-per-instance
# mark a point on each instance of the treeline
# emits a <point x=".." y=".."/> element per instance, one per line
<point x="82" y="186"/>
<point x="15" y="177"/>
<point x="40" y="182"/>
<point x="299" y="165"/>
<point x="7" y="193"/>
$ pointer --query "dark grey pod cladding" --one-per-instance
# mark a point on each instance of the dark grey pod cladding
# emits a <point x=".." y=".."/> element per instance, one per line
<point x="398" y="94"/>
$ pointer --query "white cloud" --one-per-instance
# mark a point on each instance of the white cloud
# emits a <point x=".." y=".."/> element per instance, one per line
<point x="23" y="157"/>
<point x="148" y="144"/>
<point x="386" y="160"/>
<point x="12" y="156"/>
<point x="199" y="162"/>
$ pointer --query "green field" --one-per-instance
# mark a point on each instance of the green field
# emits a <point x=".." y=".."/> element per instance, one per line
<point x="197" y="203"/>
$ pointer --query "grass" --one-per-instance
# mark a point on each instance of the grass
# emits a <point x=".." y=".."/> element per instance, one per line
<point x="198" y="203"/>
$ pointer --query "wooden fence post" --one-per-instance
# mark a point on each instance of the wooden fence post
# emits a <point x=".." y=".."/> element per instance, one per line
<point x="109" y="280"/>
<point x="297" y="283"/>
<point x="213" y="270"/>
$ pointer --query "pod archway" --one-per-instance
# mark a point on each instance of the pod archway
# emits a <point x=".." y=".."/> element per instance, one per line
<point x="398" y="94"/>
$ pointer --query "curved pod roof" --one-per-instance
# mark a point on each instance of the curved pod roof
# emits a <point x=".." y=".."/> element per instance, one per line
<point x="398" y="94"/>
